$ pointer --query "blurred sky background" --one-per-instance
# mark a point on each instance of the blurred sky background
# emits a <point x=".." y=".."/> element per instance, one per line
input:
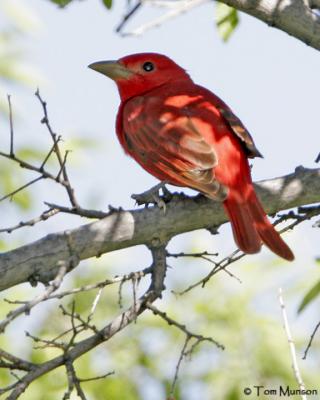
<point x="269" y="79"/>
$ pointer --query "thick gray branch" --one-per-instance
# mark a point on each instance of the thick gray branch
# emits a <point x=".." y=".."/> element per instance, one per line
<point x="40" y="260"/>
<point x="296" y="17"/>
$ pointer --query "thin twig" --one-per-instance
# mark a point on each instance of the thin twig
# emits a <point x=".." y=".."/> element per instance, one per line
<point x="26" y="165"/>
<point x="26" y="308"/>
<point x="63" y="164"/>
<point x="81" y="212"/>
<point x="15" y="362"/>
<point x="31" y="222"/>
<point x="304" y="213"/>
<point x="45" y="343"/>
<point x="44" y="162"/>
<point x="11" y="126"/>
<point x="176" y="8"/>
<point x="128" y="16"/>
<point x="219" y="266"/>
<point x="295" y="365"/>
<point x="45" y="120"/>
<point x="95" y="303"/>
<point x="10" y="195"/>
<point x="181" y="357"/>
<point x="101" y="284"/>
<point x="182" y="327"/>
<point x="311" y="340"/>
<point x="206" y="256"/>
<point x="96" y="378"/>
<point x="135" y="283"/>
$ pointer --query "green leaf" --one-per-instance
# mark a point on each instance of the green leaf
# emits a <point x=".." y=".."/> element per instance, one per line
<point x="61" y="3"/>
<point x="107" y="3"/>
<point x="227" y="20"/>
<point x="310" y="296"/>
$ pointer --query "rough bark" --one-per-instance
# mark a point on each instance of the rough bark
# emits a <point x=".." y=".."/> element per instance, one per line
<point x="40" y="260"/>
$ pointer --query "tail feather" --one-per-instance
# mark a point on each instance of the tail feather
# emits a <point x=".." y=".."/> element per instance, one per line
<point x="270" y="237"/>
<point x="243" y="228"/>
<point x="250" y="226"/>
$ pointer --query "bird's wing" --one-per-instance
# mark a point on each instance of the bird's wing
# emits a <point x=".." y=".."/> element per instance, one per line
<point x="171" y="146"/>
<point x="240" y="131"/>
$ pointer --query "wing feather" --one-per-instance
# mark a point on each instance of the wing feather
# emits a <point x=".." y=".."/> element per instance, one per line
<point x="173" y="149"/>
<point x="240" y="131"/>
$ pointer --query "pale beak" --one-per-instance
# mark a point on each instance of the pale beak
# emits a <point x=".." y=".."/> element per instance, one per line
<point x="112" y="69"/>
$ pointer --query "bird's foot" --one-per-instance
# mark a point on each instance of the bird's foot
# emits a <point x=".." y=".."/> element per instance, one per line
<point x="152" y="196"/>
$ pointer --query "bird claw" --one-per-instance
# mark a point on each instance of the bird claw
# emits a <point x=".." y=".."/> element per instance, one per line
<point x="152" y="196"/>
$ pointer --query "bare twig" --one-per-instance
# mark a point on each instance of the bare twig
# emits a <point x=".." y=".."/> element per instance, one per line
<point x="81" y="212"/>
<point x="11" y="194"/>
<point x="206" y="256"/>
<point x="176" y="8"/>
<point x="63" y="165"/>
<point x="26" y="165"/>
<point x="127" y="16"/>
<point x="95" y="378"/>
<point x="311" y="340"/>
<point x="182" y="327"/>
<point x="31" y="222"/>
<point x="189" y="336"/>
<point x="13" y="362"/>
<point x="61" y="161"/>
<point x="11" y="126"/>
<point x="45" y="343"/>
<point x="95" y="303"/>
<point x="102" y="284"/>
<point x="295" y="365"/>
<point x="219" y="266"/>
<point x="304" y="213"/>
<point x="44" y="162"/>
<point x="203" y="254"/>
<point x="61" y="177"/>
<point x="26" y="308"/>
<point x="183" y="353"/>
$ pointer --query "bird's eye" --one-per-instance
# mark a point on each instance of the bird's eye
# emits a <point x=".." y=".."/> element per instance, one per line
<point x="148" y="66"/>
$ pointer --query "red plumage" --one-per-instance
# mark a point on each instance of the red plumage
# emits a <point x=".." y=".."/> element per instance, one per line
<point x="183" y="134"/>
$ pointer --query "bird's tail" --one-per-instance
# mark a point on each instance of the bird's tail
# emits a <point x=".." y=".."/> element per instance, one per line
<point x="251" y="226"/>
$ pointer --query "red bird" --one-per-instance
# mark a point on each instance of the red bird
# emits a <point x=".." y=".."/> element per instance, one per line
<point x="185" y="135"/>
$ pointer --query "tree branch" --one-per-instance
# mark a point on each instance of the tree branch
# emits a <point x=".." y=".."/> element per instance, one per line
<point x="120" y="229"/>
<point x="77" y="349"/>
<point x="295" y="17"/>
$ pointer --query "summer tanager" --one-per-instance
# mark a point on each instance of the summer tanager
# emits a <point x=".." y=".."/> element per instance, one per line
<point x="185" y="135"/>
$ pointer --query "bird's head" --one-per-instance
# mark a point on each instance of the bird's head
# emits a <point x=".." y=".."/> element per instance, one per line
<point x="138" y="73"/>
